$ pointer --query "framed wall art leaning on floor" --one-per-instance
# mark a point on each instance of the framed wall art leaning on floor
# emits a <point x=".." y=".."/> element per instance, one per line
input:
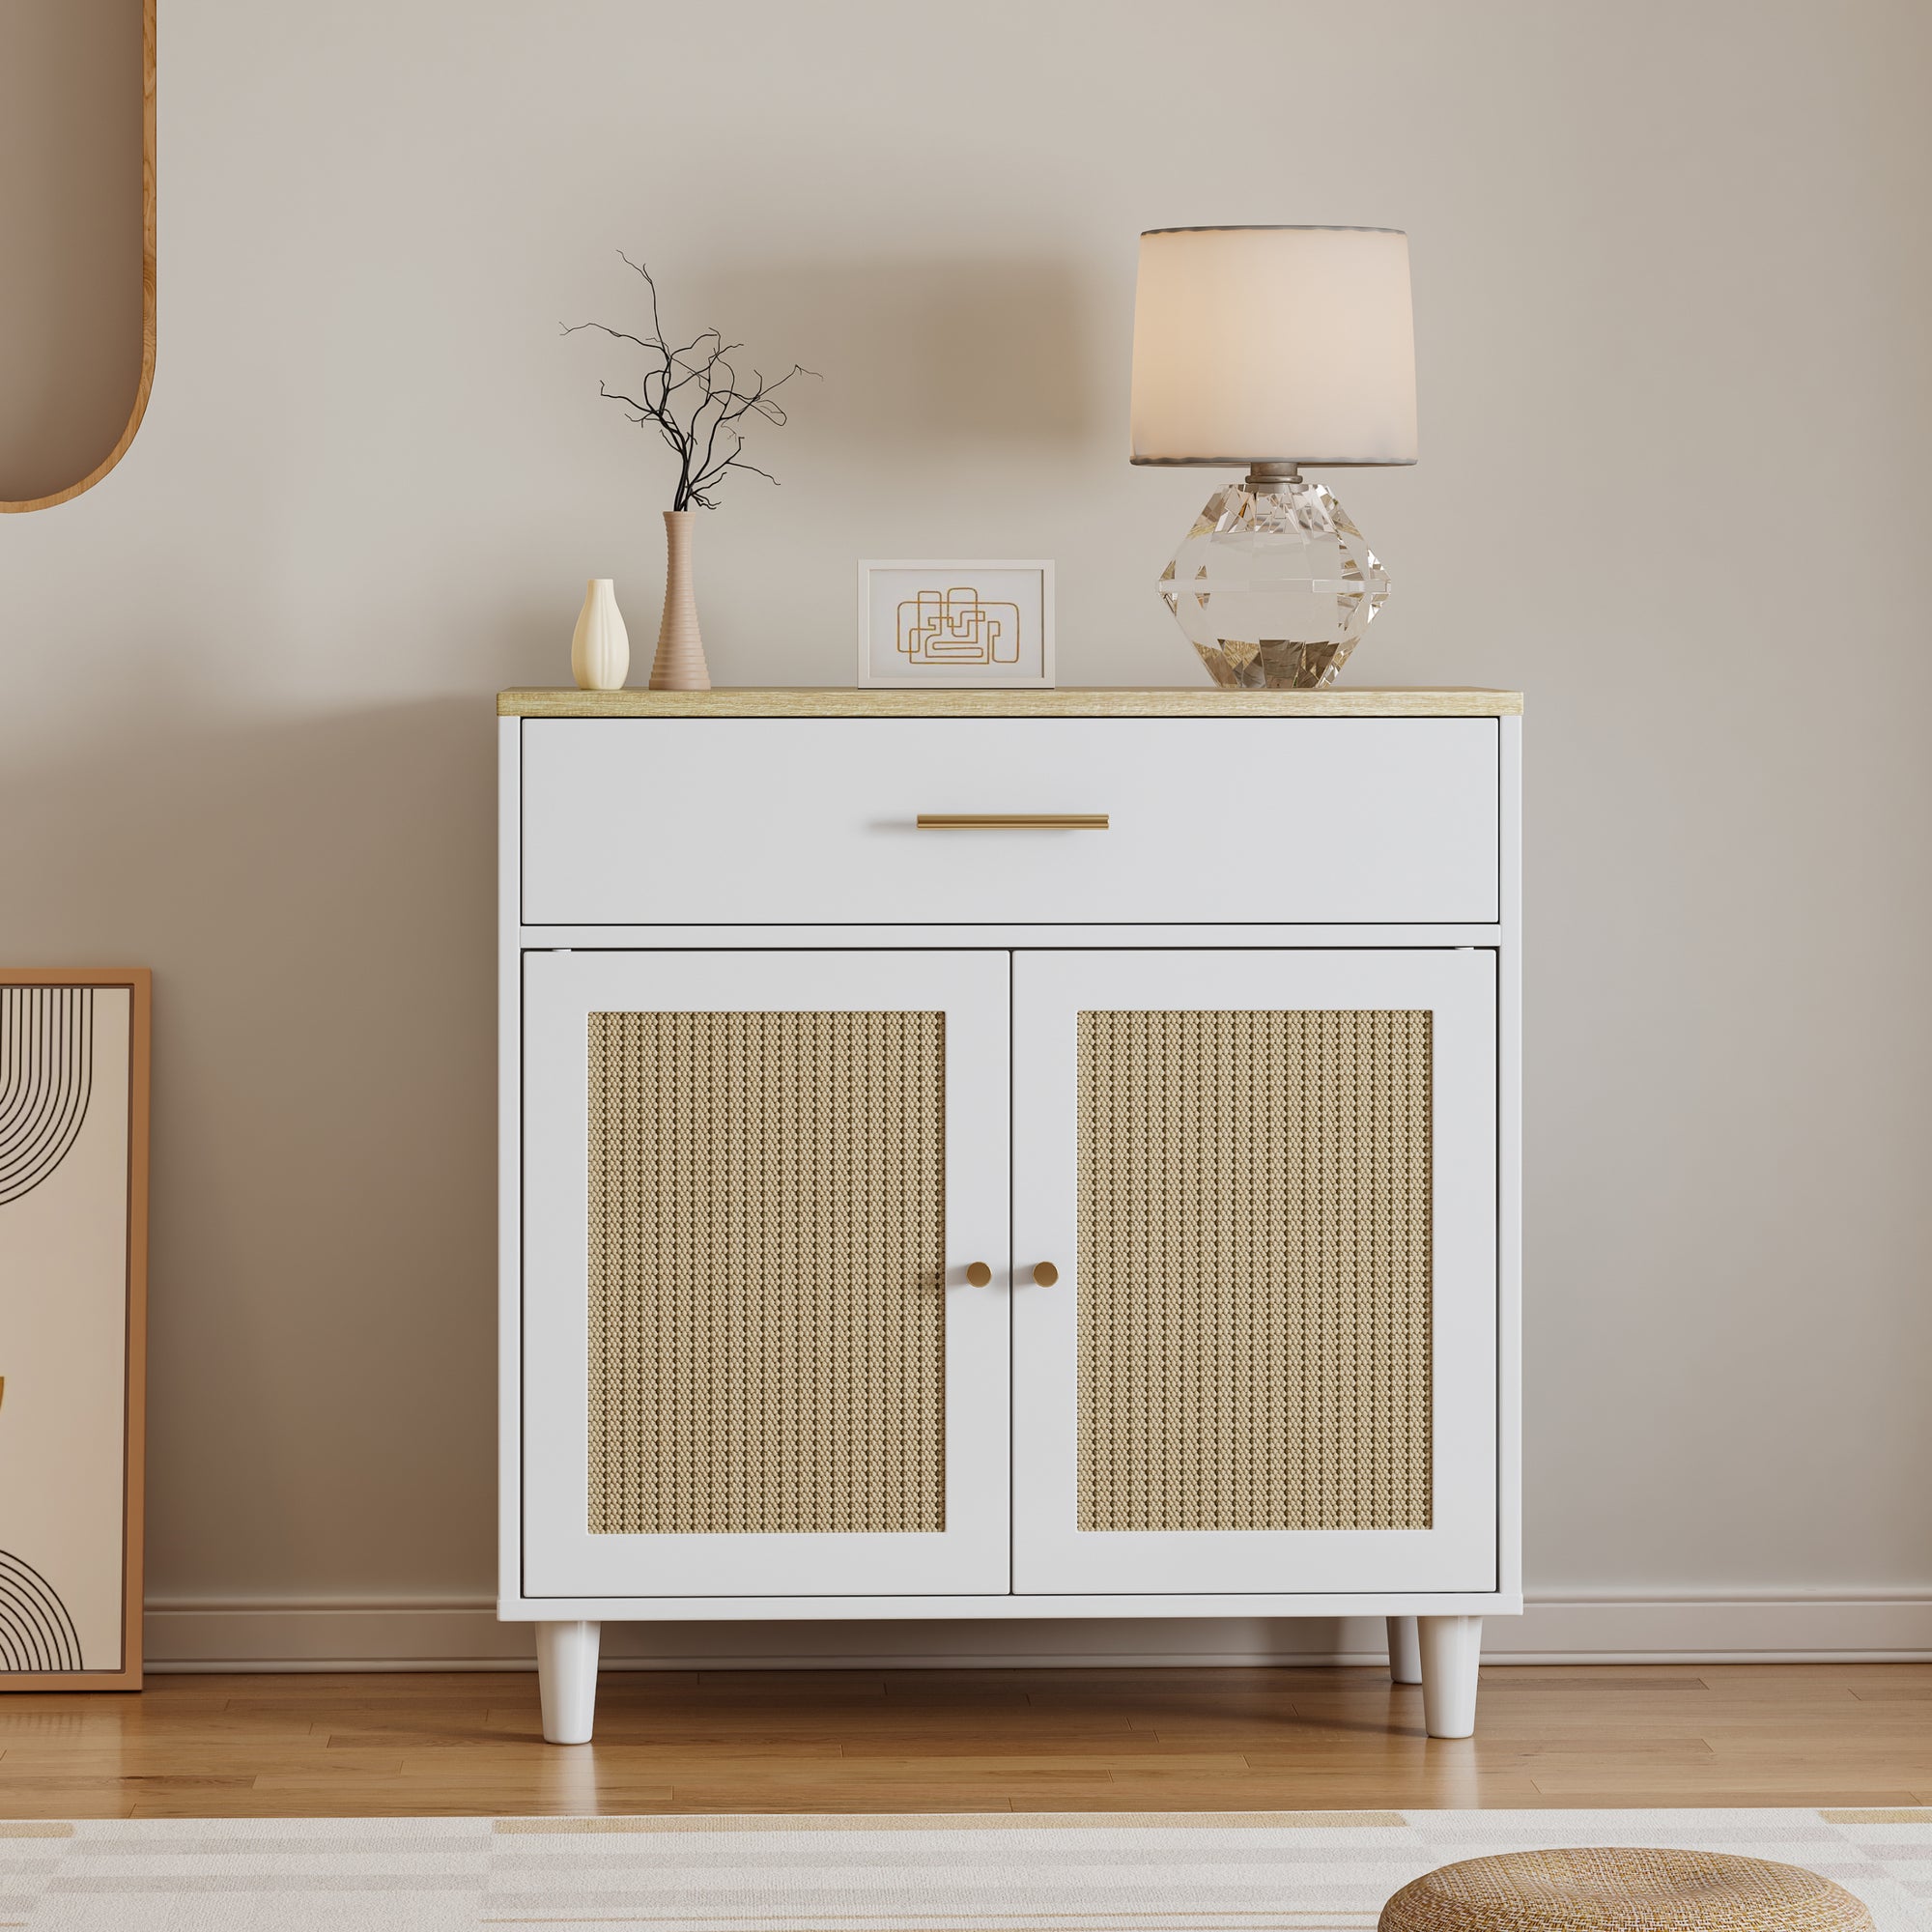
<point x="74" y="1252"/>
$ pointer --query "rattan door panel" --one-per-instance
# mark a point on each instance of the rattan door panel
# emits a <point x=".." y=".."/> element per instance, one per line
<point x="1267" y="1182"/>
<point x="767" y="1223"/>
<point x="754" y="1183"/>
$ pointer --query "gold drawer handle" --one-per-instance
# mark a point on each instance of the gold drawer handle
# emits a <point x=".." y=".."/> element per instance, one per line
<point x="1013" y="821"/>
<point x="1045" y="1275"/>
<point x="978" y="1273"/>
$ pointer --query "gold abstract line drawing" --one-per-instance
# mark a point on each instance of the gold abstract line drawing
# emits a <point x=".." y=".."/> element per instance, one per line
<point x="959" y="627"/>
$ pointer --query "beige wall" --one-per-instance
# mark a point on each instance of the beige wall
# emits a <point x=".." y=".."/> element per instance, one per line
<point x="1671" y="271"/>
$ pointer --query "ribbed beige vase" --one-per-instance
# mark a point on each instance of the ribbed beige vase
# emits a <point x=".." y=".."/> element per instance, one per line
<point x="679" y="665"/>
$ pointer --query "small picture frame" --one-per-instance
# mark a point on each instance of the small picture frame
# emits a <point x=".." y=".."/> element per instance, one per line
<point x="984" y="623"/>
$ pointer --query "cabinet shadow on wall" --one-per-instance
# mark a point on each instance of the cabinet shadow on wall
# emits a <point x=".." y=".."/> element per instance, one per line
<point x="316" y="898"/>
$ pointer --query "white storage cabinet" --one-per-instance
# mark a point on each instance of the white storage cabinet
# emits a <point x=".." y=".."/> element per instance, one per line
<point x="1009" y="1155"/>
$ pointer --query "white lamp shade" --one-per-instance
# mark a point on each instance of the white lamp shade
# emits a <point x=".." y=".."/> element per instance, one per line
<point x="1274" y="345"/>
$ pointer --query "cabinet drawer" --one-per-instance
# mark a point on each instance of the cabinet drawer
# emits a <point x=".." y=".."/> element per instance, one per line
<point x="781" y="821"/>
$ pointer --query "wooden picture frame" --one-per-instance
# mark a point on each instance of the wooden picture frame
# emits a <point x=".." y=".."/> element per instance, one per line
<point x="74" y="1125"/>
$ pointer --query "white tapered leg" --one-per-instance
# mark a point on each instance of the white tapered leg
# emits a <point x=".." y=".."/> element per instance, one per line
<point x="1405" y="1658"/>
<point x="567" y="1681"/>
<point x="1451" y="1649"/>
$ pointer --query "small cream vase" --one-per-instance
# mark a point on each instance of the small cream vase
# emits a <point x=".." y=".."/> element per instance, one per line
<point x="600" y="647"/>
<point x="679" y="665"/>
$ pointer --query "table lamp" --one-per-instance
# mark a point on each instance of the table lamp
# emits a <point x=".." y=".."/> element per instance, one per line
<point x="1274" y="347"/>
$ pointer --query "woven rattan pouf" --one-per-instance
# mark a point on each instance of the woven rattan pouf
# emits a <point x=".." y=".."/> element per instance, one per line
<point x="1614" y="1890"/>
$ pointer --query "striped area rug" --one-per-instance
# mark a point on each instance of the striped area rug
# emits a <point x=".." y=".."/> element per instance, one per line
<point x="1309" y="1871"/>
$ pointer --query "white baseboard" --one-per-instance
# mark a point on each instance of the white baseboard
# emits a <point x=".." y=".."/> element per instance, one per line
<point x="402" y="1633"/>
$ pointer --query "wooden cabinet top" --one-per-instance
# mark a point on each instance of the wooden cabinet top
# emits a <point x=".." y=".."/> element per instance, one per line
<point x="1181" y="702"/>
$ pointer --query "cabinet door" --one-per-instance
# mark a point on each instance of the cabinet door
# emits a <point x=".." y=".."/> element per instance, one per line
<point x="1267" y="1179"/>
<point x="753" y="1363"/>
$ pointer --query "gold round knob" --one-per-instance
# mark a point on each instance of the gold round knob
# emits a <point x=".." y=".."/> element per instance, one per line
<point x="1045" y="1275"/>
<point x="978" y="1273"/>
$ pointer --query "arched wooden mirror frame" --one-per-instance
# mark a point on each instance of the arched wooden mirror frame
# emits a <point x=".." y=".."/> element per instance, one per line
<point x="146" y="381"/>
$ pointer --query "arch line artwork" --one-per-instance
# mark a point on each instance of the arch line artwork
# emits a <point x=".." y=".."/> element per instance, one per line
<point x="36" y="1632"/>
<point x="46" y="1080"/>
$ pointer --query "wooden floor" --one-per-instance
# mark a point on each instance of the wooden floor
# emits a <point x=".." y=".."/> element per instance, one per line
<point x="973" y="1740"/>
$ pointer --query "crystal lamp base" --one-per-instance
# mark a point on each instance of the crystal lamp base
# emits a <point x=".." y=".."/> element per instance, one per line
<point x="1273" y="585"/>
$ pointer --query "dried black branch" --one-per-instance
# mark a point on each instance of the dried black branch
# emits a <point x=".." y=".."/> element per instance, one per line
<point x="701" y="428"/>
